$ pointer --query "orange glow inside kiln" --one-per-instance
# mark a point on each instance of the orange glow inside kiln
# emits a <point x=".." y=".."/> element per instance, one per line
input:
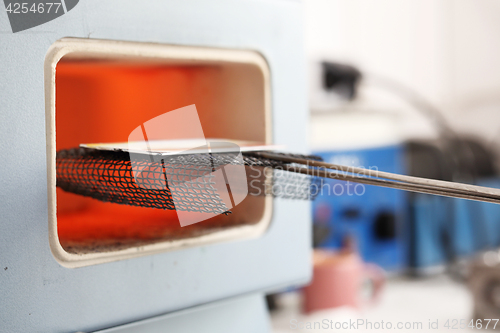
<point x="103" y="101"/>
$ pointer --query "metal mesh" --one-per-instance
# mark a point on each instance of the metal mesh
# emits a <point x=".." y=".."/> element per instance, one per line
<point x="186" y="180"/>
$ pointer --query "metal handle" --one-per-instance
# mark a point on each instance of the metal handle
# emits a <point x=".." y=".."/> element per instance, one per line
<point x="386" y="179"/>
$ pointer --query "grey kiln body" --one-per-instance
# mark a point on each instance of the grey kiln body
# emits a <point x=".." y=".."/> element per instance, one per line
<point x="206" y="283"/>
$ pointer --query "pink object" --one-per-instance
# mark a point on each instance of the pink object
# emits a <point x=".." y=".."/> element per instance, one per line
<point x="337" y="281"/>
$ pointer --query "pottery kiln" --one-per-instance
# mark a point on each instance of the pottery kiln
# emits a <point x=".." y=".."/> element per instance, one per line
<point x="102" y="70"/>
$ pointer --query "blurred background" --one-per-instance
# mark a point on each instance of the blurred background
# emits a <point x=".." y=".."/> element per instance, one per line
<point x="413" y="87"/>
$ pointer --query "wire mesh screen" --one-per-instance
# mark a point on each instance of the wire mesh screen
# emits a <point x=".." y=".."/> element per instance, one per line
<point x="180" y="182"/>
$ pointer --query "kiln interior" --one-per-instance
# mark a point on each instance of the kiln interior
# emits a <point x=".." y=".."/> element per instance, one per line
<point x="104" y="99"/>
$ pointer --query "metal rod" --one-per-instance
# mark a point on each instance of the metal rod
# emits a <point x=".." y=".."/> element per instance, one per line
<point x="386" y="179"/>
<point x="391" y="184"/>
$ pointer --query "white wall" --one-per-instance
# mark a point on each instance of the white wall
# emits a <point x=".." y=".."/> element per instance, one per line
<point x="446" y="50"/>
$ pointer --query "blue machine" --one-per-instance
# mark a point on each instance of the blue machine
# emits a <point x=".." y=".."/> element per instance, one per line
<point x="399" y="230"/>
<point x="444" y="229"/>
<point x="373" y="215"/>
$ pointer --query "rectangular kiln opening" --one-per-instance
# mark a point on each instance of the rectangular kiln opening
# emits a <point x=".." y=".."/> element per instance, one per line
<point x="100" y="91"/>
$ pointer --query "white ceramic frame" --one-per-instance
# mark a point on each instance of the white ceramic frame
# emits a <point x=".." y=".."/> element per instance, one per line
<point x="171" y="54"/>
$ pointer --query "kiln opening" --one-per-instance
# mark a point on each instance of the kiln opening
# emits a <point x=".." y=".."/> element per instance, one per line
<point x="100" y="91"/>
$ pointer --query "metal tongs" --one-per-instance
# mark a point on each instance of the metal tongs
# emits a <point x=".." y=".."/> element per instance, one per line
<point x="385" y="179"/>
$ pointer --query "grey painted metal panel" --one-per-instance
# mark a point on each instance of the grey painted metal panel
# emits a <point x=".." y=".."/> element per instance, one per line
<point x="247" y="314"/>
<point x="38" y="294"/>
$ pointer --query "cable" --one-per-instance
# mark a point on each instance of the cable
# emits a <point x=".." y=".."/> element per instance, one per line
<point x="463" y="167"/>
<point x="415" y="99"/>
